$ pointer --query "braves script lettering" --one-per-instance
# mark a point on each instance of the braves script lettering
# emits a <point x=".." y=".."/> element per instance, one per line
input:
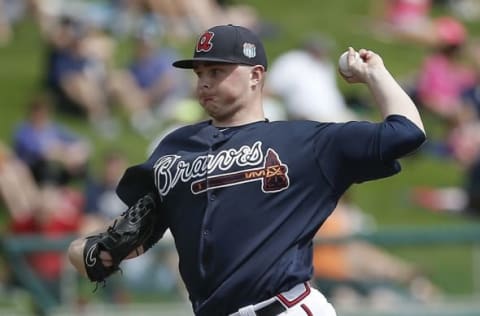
<point x="170" y="169"/>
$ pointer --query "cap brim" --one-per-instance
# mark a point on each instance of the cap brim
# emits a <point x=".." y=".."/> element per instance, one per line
<point x="188" y="63"/>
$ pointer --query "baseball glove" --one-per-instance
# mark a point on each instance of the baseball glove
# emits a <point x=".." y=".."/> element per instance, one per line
<point x="127" y="233"/>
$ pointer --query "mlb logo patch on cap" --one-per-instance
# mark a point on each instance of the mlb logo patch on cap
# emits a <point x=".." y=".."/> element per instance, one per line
<point x="249" y="50"/>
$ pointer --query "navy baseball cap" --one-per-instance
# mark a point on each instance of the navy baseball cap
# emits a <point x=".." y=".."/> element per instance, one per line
<point x="227" y="44"/>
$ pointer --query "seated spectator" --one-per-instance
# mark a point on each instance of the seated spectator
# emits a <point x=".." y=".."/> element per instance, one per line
<point x="52" y="152"/>
<point x="150" y="85"/>
<point x="312" y="92"/>
<point x="444" y="74"/>
<point x="359" y="268"/>
<point x="48" y="211"/>
<point x="75" y="76"/>
<point x="462" y="145"/>
<point x="403" y="20"/>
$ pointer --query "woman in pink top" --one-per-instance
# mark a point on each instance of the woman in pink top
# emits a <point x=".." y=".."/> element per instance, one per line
<point x="404" y="13"/>
<point x="405" y="20"/>
<point x="444" y="75"/>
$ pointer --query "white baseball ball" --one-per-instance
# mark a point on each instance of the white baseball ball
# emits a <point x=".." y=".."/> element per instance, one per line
<point x="343" y="64"/>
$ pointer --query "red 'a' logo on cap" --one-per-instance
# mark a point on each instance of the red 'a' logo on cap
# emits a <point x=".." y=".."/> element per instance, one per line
<point x="205" y="42"/>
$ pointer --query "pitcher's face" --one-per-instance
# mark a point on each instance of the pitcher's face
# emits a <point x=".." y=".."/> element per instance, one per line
<point x="223" y="89"/>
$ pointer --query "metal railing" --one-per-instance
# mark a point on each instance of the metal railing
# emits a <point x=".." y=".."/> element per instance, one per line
<point x="15" y="249"/>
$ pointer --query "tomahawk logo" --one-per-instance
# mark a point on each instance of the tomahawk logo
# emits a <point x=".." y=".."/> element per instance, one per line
<point x="205" y="42"/>
<point x="172" y="169"/>
<point x="273" y="175"/>
<point x="90" y="260"/>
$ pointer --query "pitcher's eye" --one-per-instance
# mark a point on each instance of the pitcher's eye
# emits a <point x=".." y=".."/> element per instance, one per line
<point x="214" y="72"/>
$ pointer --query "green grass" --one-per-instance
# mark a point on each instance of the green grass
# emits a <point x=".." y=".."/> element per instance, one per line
<point x="449" y="267"/>
<point x="386" y="200"/>
<point x="20" y="66"/>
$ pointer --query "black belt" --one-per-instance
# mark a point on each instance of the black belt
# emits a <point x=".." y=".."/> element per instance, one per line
<point x="273" y="309"/>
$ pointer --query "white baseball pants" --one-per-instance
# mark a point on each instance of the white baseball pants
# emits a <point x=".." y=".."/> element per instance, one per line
<point x="301" y="300"/>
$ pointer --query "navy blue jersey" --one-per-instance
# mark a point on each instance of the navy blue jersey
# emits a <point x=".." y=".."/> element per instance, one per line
<point x="243" y="203"/>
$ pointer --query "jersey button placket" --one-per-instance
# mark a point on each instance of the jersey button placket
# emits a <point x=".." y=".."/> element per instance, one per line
<point x="205" y="236"/>
<point x="205" y="231"/>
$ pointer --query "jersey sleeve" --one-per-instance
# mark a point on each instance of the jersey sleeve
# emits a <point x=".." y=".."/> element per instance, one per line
<point x="139" y="179"/>
<point x="135" y="183"/>
<point x="355" y="152"/>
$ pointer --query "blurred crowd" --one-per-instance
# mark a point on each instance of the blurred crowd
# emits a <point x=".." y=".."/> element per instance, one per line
<point x="47" y="183"/>
<point x="445" y="87"/>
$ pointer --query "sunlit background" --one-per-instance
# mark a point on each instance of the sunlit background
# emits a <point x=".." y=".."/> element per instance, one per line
<point x="86" y="89"/>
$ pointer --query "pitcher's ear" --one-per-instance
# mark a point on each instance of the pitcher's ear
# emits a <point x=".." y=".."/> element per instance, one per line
<point x="258" y="73"/>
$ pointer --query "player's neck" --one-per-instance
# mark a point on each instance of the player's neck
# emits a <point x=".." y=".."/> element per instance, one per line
<point x="238" y="120"/>
<point x="223" y="128"/>
<point x="249" y="112"/>
<point x="243" y="116"/>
